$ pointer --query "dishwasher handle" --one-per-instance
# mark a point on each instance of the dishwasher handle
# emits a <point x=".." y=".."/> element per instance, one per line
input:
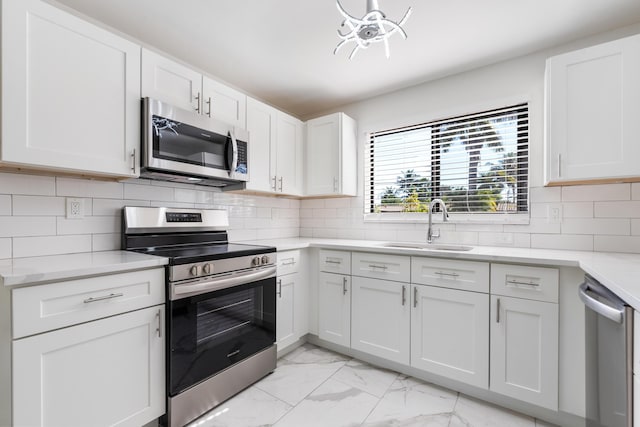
<point x="587" y="289"/>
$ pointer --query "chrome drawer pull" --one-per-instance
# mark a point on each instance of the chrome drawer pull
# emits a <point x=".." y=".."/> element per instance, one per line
<point x="498" y="311"/>
<point x="279" y="293"/>
<point x="110" y="296"/>
<point x="404" y="296"/>
<point x="415" y="297"/>
<point x="288" y="261"/>
<point x="159" y="328"/>
<point x="374" y="266"/>
<point x="442" y="273"/>
<point x="331" y="261"/>
<point x="517" y="282"/>
<point x="344" y="286"/>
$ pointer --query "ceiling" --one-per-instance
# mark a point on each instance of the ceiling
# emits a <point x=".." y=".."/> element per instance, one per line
<point x="281" y="51"/>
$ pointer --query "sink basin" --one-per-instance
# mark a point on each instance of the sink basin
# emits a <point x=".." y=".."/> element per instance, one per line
<point x="428" y="246"/>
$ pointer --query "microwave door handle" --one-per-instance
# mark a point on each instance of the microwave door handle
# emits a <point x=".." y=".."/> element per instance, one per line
<point x="234" y="153"/>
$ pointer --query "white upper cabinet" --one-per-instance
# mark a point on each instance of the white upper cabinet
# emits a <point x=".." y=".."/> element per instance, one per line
<point x="275" y="153"/>
<point x="331" y="165"/>
<point x="171" y="82"/>
<point x="593" y="106"/>
<point x="70" y="93"/>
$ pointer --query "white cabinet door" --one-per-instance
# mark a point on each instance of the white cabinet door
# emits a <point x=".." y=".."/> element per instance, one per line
<point x="224" y="103"/>
<point x="109" y="372"/>
<point x="593" y="105"/>
<point x="331" y="156"/>
<point x="450" y="333"/>
<point x="171" y="82"/>
<point x="288" y="155"/>
<point x="286" y="324"/>
<point x="70" y="93"/>
<point x="334" y="309"/>
<point x="524" y="350"/>
<point x="261" y="124"/>
<point x="380" y="318"/>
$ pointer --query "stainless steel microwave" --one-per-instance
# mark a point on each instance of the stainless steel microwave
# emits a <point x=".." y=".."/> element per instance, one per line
<point x="182" y="146"/>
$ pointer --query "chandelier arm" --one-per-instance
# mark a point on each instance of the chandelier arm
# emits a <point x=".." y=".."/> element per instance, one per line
<point x="354" y="51"/>
<point x="342" y="43"/>
<point x="350" y="34"/>
<point x="405" y="17"/>
<point x="396" y="27"/>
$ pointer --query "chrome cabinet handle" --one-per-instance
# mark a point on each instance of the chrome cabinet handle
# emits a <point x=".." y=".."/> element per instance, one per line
<point x="159" y="328"/>
<point x="102" y="298"/>
<point x="208" y="102"/>
<point x="404" y="296"/>
<point x="133" y="161"/>
<point x="344" y="286"/>
<point x="374" y="266"/>
<point x="498" y="311"/>
<point x="517" y="283"/>
<point x="274" y="182"/>
<point x="331" y="261"/>
<point x="197" y="108"/>
<point x="559" y="165"/>
<point x="288" y="261"/>
<point x="415" y="296"/>
<point x="442" y="273"/>
<point x="280" y="180"/>
<point x="279" y="293"/>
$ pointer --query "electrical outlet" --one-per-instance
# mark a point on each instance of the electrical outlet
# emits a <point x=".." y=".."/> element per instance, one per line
<point x="554" y="214"/>
<point x="75" y="208"/>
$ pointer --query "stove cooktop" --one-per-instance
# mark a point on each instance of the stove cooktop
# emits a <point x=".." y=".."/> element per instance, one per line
<point x="200" y="253"/>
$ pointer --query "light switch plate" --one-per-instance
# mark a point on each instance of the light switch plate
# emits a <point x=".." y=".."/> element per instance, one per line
<point x="75" y="208"/>
<point x="554" y="213"/>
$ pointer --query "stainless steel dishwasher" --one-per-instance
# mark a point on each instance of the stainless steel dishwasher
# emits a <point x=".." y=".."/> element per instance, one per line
<point x="609" y="356"/>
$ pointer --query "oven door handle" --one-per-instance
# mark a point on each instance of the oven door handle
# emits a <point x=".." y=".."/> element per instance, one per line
<point x="181" y="291"/>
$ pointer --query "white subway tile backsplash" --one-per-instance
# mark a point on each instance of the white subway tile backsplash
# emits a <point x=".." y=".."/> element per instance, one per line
<point x="545" y="194"/>
<point x="629" y="209"/>
<point x="579" y="193"/>
<point x="635" y="191"/>
<point x="495" y="239"/>
<point x="324" y="213"/>
<point x="536" y="225"/>
<point x="325" y="233"/>
<point x="106" y="242"/>
<point x="635" y="227"/>
<point x="337" y="203"/>
<point x="350" y="233"/>
<point x="160" y="204"/>
<point x="311" y="222"/>
<point x="596" y="226"/>
<point x="16" y="183"/>
<point x="5" y="204"/>
<point x="149" y="192"/>
<point x="577" y="210"/>
<point x="5" y="248"/>
<point x="243" y="211"/>
<point x="263" y="212"/>
<point x="521" y="240"/>
<point x="89" y="225"/>
<point x="565" y="241"/>
<point x="306" y="232"/>
<point x="306" y="213"/>
<point x="628" y="244"/>
<point x="113" y="207"/>
<point x="50" y="245"/>
<point x="12" y="226"/>
<point x="459" y="237"/>
<point x="312" y="204"/>
<point x="76" y="187"/>
<point x="41" y="205"/>
<point x="240" y="235"/>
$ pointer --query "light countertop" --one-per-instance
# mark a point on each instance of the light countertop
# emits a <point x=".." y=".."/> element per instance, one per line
<point x="618" y="272"/>
<point x="34" y="270"/>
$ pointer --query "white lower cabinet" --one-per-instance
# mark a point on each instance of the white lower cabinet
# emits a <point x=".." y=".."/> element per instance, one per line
<point x="450" y="333"/>
<point x="380" y="317"/>
<point x="286" y="327"/>
<point x="108" y="372"/>
<point x="334" y="309"/>
<point x="524" y="350"/>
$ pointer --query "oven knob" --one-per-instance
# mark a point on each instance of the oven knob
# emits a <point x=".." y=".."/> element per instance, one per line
<point x="265" y="259"/>
<point x="255" y="261"/>
<point x="194" y="270"/>
<point x="207" y="268"/>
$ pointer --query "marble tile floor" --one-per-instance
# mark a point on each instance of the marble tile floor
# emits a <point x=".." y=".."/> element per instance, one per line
<point x="316" y="387"/>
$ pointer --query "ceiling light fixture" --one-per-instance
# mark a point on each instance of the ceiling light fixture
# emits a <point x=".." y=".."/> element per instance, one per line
<point x="372" y="27"/>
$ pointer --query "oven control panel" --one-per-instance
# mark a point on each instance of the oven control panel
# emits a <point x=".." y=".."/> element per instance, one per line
<point x="220" y="266"/>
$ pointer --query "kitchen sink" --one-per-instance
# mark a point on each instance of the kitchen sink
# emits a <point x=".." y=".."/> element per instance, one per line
<point x="428" y="246"/>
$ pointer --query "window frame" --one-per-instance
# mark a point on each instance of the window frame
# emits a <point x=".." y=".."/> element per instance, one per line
<point x="523" y="189"/>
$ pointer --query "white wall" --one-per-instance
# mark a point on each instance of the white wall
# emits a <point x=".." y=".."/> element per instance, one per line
<point x="33" y="223"/>
<point x="602" y="218"/>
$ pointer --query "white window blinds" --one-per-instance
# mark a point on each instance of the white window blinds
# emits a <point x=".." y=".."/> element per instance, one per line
<point x="476" y="163"/>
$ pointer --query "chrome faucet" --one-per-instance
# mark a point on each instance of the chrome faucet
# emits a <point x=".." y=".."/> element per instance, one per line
<point x="445" y="217"/>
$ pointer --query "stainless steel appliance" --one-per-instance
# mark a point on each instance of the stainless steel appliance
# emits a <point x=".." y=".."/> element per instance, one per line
<point x="221" y="305"/>
<point x="609" y="352"/>
<point x="179" y="145"/>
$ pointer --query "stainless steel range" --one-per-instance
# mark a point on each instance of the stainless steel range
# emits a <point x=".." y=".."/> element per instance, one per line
<point x="221" y="305"/>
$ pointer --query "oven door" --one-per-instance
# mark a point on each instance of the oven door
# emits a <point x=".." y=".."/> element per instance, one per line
<point x="212" y="331"/>
<point x="182" y="142"/>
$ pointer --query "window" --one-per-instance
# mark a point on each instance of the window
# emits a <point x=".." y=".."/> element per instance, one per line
<point x="476" y="163"/>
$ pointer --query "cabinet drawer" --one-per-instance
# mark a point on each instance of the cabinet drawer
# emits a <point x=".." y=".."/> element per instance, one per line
<point x="288" y="262"/>
<point x="46" y="307"/>
<point x="454" y="274"/>
<point x="381" y="266"/>
<point x="335" y="261"/>
<point x="535" y="283"/>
